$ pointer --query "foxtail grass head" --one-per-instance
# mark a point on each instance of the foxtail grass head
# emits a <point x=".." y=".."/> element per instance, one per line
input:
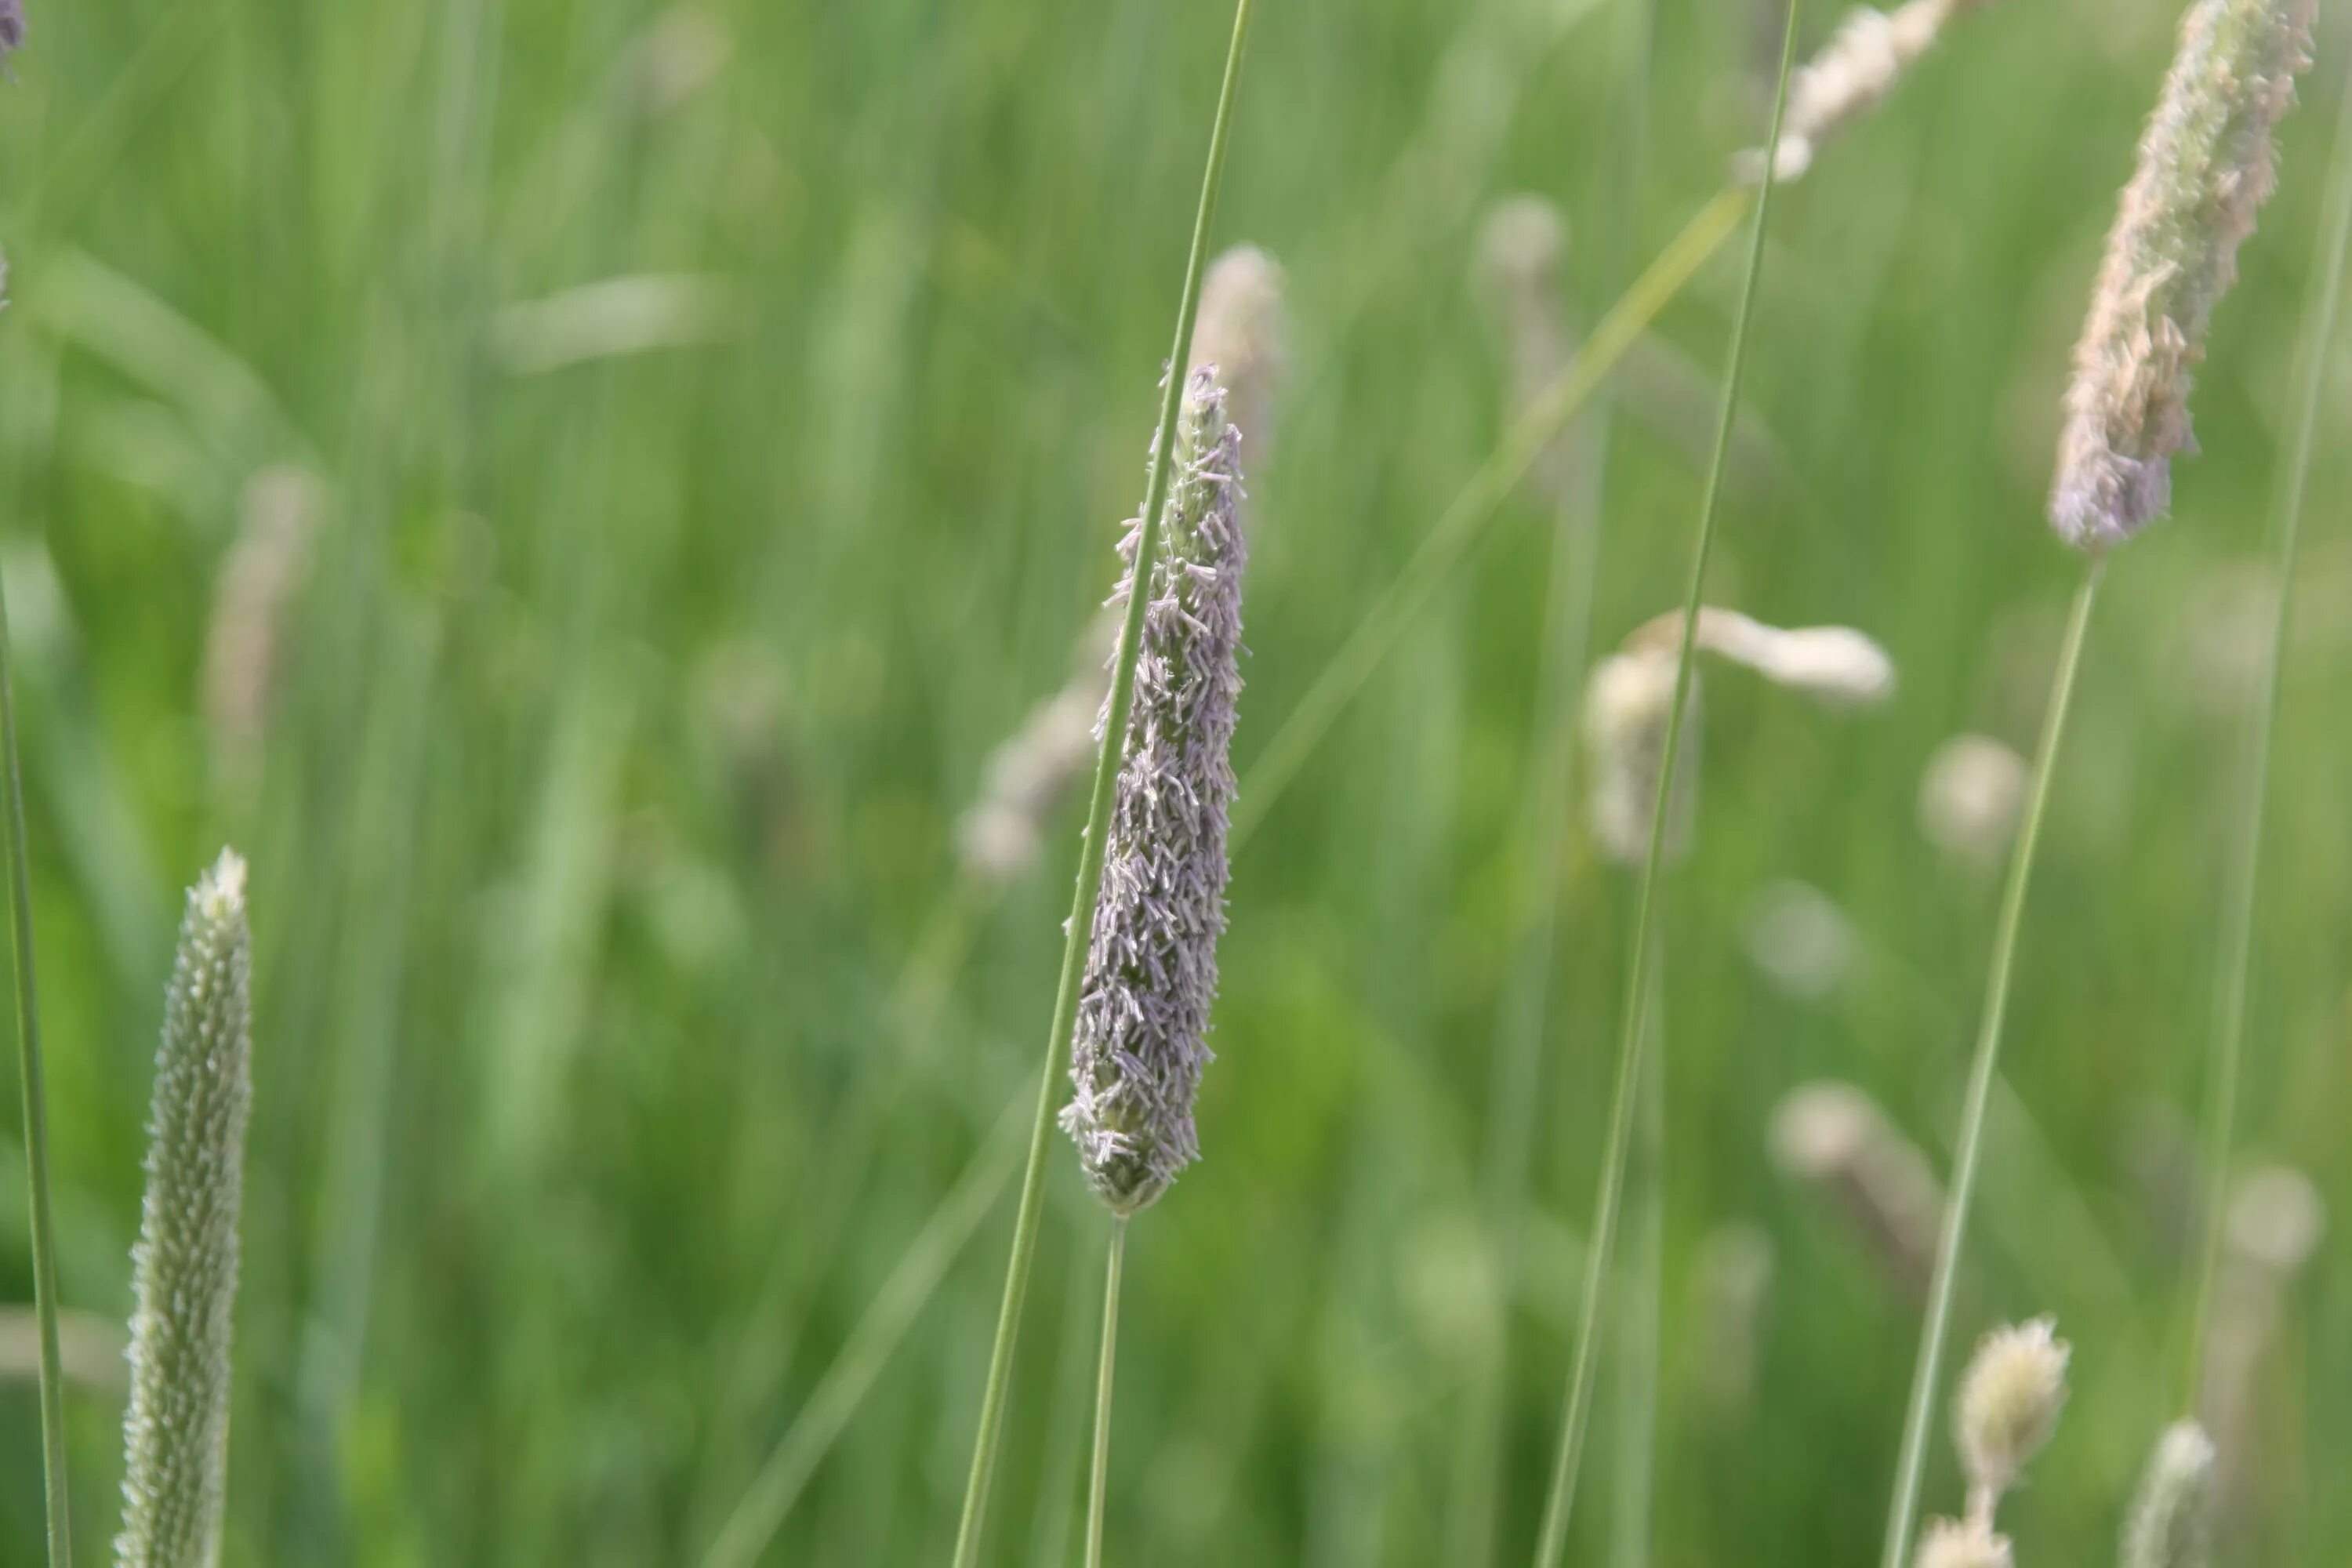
<point x="1835" y="1137"/>
<point x="2009" y="1402"/>
<point x="1962" y="1543"/>
<point x="1970" y="795"/>
<point x="175" y="1433"/>
<point x="1243" y="338"/>
<point x="245" y="645"/>
<point x="1521" y="248"/>
<point x="2206" y="166"/>
<point x="1026" y="777"/>
<point x="2170" y="1522"/>
<point x="1628" y="697"/>
<point x="1140" y="1045"/>
<point x="1852" y="75"/>
<point x="1628" y="700"/>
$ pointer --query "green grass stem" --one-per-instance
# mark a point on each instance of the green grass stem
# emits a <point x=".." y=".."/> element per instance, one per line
<point x="1100" y="1476"/>
<point x="35" y="1091"/>
<point x="1633" y="1509"/>
<point x="1547" y="805"/>
<point x="1551" y="1540"/>
<point x="1912" y="1459"/>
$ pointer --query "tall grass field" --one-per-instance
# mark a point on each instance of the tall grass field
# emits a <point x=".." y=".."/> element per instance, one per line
<point x="1669" y="976"/>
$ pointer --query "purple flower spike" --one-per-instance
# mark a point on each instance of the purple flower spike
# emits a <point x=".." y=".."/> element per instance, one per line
<point x="1151" y="961"/>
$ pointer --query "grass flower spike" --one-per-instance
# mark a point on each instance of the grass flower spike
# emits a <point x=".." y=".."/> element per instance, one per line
<point x="1093" y="884"/>
<point x="2205" y="168"/>
<point x="1835" y="665"/>
<point x="1151" y="961"/>
<point x="1243" y="333"/>
<point x="1852" y="75"/>
<point x="1026" y="778"/>
<point x="1521" y="248"/>
<point x="2008" y="1403"/>
<point x="1970" y="795"/>
<point x="1963" y="1544"/>
<point x="2008" y="1406"/>
<point x="1626" y="700"/>
<point x="175" y="1434"/>
<point x="1834" y="1136"/>
<point x="2170" y="1521"/>
<point x="1629" y="694"/>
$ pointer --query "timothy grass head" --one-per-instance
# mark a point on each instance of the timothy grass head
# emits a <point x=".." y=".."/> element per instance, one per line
<point x="176" y="1432"/>
<point x="2206" y="166"/>
<point x="1140" y="1043"/>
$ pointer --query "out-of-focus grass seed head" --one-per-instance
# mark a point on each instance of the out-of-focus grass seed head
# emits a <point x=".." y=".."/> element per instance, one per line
<point x="2170" y="1523"/>
<point x="2009" y="1402"/>
<point x="1962" y="1543"/>
<point x="1852" y="74"/>
<point x="2206" y="166"/>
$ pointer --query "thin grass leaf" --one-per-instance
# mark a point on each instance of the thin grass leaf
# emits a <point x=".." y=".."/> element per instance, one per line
<point x="33" y="1090"/>
<point x="1552" y="1538"/>
<point x="1911" y="1461"/>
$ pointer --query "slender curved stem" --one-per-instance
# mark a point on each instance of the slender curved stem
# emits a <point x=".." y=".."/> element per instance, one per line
<point x="36" y="1127"/>
<point x="2319" y="308"/>
<point x="1064" y="1449"/>
<point x="1634" y="1507"/>
<point x="1097" y="1484"/>
<point x="1552" y="1539"/>
<point x="1458" y="528"/>
<point x="1091" y="856"/>
<point x="1966" y="1147"/>
<point x="1578" y="515"/>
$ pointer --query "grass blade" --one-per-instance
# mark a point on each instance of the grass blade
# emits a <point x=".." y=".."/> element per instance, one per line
<point x="1632" y="1525"/>
<point x="1552" y="1539"/>
<point x="1566" y="647"/>
<point x="35" y="1090"/>
<point x="1100" y="1475"/>
<point x="1911" y="1459"/>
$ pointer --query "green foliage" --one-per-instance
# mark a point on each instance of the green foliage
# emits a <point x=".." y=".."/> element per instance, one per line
<point x="626" y="1021"/>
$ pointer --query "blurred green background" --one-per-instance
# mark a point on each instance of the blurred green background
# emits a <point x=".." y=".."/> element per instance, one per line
<point x="577" y="491"/>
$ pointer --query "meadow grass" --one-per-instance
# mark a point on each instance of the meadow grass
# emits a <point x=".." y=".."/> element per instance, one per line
<point x="719" y="419"/>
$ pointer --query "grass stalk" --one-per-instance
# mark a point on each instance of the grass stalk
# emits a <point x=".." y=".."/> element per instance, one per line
<point x="1090" y="858"/>
<point x="1634" y="1507"/>
<point x="1547" y="803"/>
<point x="1057" y="1494"/>
<point x="1098" y="1478"/>
<point x="1560" y="1500"/>
<point x="1459" y="528"/>
<point x="1911" y="1462"/>
<point x="35" y="1091"/>
<point x="2318" y="331"/>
